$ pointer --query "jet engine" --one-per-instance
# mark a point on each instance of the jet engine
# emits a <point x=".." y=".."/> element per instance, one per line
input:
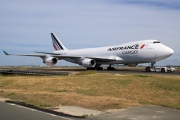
<point x="50" y="61"/>
<point x="89" y="63"/>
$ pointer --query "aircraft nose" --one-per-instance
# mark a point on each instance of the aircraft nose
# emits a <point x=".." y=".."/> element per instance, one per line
<point x="170" y="51"/>
<point x="163" y="52"/>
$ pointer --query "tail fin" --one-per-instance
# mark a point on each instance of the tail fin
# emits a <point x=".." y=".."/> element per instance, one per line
<point x="57" y="44"/>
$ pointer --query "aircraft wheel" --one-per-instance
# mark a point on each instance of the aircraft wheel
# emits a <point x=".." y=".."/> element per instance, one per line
<point x="99" y="68"/>
<point x="148" y="69"/>
<point x="162" y="70"/>
<point x="90" y="68"/>
<point x="110" y="68"/>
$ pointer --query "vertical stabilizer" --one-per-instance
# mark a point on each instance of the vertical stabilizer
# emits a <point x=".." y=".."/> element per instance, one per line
<point x="57" y="44"/>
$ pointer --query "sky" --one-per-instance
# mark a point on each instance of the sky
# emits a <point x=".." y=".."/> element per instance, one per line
<point x="25" y="26"/>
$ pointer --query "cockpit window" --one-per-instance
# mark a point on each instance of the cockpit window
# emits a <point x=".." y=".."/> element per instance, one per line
<point x="156" y="42"/>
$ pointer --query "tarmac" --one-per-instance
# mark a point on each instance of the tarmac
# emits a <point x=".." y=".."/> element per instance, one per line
<point x="77" y="111"/>
<point x="148" y="112"/>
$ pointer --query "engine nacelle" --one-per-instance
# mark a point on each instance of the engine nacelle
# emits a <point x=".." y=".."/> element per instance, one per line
<point x="50" y="61"/>
<point x="132" y="65"/>
<point x="90" y="63"/>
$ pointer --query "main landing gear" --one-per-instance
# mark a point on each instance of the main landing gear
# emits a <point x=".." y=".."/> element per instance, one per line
<point x="97" y="67"/>
<point x="148" y="69"/>
<point x="110" y="68"/>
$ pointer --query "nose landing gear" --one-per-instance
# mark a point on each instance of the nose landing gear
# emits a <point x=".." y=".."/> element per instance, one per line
<point x="148" y="69"/>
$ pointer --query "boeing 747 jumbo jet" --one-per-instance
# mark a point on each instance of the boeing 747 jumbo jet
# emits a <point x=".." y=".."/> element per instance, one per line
<point x="131" y="54"/>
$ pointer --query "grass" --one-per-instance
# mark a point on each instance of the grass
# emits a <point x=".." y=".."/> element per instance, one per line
<point x="88" y="72"/>
<point x="93" y="90"/>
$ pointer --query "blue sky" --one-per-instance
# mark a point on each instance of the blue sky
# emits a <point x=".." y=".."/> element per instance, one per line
<point x="25" y="26"/>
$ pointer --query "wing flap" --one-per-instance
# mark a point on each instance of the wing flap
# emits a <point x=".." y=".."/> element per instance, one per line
<point x="47" y="53"/>
<point x="102" y="59"/>
<point x="107" y="59"/>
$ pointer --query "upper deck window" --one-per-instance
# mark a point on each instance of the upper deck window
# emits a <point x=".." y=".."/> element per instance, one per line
<point x="156" y="42"/>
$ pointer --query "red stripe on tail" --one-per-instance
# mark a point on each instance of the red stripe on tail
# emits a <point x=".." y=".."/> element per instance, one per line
<point x="55" y="46"/>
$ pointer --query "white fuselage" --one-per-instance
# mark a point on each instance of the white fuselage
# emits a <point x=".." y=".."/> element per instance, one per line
<point x="129" y="53"/>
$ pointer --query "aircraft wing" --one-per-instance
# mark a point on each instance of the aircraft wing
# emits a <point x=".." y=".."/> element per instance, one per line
<point x="32" y="55"/>
<point x="102" y="59"/>
<point x="47" y="53"/>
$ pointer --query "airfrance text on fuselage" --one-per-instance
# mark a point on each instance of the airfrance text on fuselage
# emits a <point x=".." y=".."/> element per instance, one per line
<point x="136" y="46"/>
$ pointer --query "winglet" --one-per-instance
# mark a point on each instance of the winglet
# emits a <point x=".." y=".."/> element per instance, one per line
<point x="6" y="53"/>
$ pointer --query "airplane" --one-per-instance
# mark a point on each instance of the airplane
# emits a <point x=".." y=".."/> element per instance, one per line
<point x="130" y="54"/>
